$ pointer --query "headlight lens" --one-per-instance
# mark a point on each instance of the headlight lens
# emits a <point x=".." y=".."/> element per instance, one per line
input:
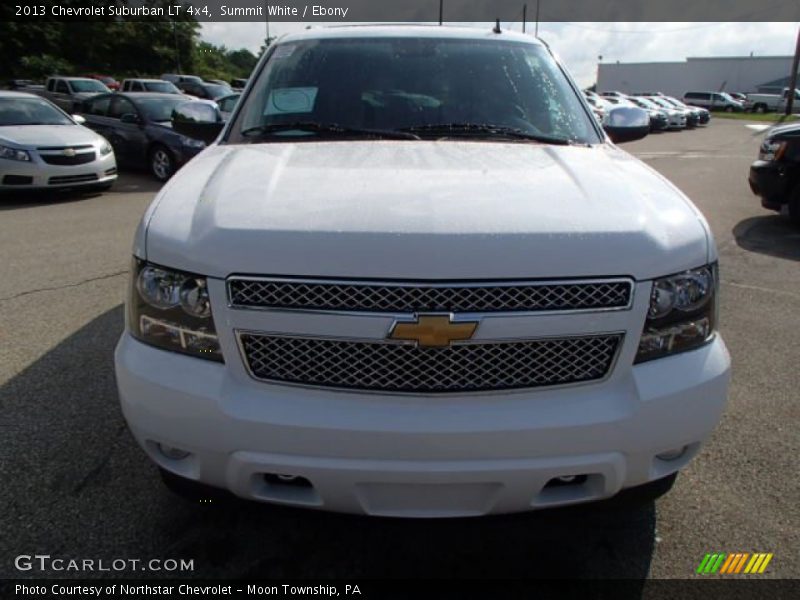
<point x="172" y="310"/>
<point x="193" y="143"/>
<point x="682" y="313"/>
<point x="14" y="154"/>
<point x="771" y="150"/>
<point x="105" y="148"/>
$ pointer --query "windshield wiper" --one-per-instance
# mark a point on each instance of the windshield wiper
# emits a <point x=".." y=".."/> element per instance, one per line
<point x="327" y="129"/>
<point x="446" y="129"/>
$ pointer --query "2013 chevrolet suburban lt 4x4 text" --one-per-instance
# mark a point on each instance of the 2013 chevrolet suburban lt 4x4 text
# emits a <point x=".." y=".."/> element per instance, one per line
<point x="413" y="276"/>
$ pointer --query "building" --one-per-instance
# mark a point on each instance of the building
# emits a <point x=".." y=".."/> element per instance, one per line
<point x="726" y="73"/>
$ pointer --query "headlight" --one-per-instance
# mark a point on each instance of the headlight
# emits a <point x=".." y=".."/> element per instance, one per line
<point x="682" y="314"/>
<point x="193" y="143"/>
<point x="105" y="148"/>
<point x="14" y="154"/>
<point x="172" y="310"/>
<point x="771" y="150"/>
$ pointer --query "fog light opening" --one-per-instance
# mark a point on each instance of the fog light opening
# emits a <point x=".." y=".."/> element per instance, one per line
<point x="173" y="453"/>
<point x="674" y="454"/>
<point x="565" y="480"/>
<point x="284" y="479"/>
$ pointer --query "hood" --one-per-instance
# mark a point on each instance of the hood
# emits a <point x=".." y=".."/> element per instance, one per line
<point x="788" y="130"/>
<point x="48" y="135"/>
<point x="422" y="210"/>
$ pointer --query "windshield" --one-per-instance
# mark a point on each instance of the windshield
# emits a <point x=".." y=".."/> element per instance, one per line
<point x="662" y="103"/>
<point x="417" y="84"/>
<point x="30" y="111"/>
<point x="164" y="87"/>
<point x="216" y="91"/>
<point x="158" y="109"/>
<point x="645" y="103"/>
<point x="87" y="85"/>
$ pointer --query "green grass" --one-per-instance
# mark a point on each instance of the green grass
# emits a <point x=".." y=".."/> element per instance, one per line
<point x="748" y="116"/>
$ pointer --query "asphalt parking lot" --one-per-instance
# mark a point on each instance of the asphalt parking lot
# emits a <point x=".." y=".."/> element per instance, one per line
<point x="74" y="484"/>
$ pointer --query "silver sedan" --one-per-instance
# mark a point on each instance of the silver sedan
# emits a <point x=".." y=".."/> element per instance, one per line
<point x="42" y="147"/>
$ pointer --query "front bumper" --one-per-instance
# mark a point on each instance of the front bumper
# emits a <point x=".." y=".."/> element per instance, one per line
<point x="768" y="180"/>
<point x="37" y="174"/>
<point x="420" y="456"/>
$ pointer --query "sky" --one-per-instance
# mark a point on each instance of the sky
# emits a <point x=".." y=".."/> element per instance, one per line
<point x="580" y="44"/>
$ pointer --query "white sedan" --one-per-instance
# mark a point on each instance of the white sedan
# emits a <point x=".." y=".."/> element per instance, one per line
<point x="42" y="147"/>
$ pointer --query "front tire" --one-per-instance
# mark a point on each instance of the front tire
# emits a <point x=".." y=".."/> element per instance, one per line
<point x="728" y="109"/>
<point x="162" y="163"/>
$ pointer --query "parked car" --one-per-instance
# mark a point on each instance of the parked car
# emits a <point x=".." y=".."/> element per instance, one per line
<point x="22" y="84"/>
<point x="762" y="103"/>
<point x="69" y="93"/>
<point x="690" y="115"/>
<point x="224" y="84"/>
<point x="702" y="116"/>
<point x="159" y="86"/>
<point x="107" y="80"/>
<point x="599" y="105"/>
<point x="140" y="130"/>
<point x="42" y="147"/>
<point x="677" y="118"/>
<point x="176" y="79"/>
<point x="775" y="176"/>
<point x="659" y="117"/>
<point x="206" y="91"/>
<point x="416" y="278"/>
<point x="713" y="101"/>
<point x="238" y="84"/>
<point x="738" y="96"/>
<point x="227" y="104"/>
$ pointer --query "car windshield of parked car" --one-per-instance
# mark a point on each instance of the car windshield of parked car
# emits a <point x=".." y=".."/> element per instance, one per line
<point x="162" y="87"/>
<point x="431" y="87"/>
<point x="30" y="111"/>
<point x="216" y="91"/>
<point x="87" y="85"/>
<point x="158" y="109"/>
<point x="645" y="103"/>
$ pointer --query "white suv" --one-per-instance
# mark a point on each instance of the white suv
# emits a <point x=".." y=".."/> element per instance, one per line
<point x="414" y="277"/>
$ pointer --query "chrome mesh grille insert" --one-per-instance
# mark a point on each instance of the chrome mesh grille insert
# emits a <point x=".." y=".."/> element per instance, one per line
<point x="409" y="298"/>
<point x="393" y="367"/>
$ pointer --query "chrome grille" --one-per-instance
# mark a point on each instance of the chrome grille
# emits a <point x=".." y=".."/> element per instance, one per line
<point x="408" y="298"/>
<point x="398" y="367"/>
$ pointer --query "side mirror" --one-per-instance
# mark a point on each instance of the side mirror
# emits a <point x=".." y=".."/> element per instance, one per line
<point x="197" y="120"/>
<point x="626" y="124"/>
<point x="79" y="119"/>
<point x="129" y="118"/>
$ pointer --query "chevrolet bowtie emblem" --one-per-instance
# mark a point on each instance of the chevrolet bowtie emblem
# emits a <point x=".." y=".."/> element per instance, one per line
<point x="69" y="152"/>
<point x="433" y="331"/>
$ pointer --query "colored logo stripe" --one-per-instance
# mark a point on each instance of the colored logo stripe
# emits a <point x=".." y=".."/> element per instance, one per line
<point x="734" y="563"/>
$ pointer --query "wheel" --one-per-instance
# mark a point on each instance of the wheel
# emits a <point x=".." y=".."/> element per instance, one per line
<point x="162" y="164"/>
<point x="728" y="109"/>
<point x="760" y="108"/>
<point x="193" y="491"/>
